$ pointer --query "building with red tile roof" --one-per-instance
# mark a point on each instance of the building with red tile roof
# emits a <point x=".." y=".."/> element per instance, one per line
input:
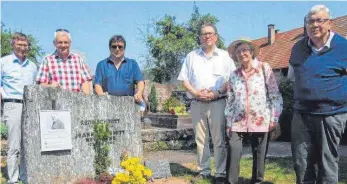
<point x="275" y="49"/>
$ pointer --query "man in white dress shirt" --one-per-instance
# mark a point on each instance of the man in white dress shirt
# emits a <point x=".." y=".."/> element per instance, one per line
<point x="203" y="73"/>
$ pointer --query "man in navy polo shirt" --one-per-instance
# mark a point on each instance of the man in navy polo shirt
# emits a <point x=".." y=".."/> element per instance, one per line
<point x="116" y="75"/>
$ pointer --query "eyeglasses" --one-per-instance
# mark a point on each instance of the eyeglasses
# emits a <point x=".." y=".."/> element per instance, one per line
<point x="22" y="45"/>
<point x="62" y="30"/>
<point x="120" y="47"/>
<point x="208" y="34"/>
<point x="242" y="50"/>
<point x="319" y="21"/>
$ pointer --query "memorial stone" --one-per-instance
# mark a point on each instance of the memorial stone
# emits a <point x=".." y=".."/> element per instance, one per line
<point x="63" y="166"/>
<point x="160" y="168"/>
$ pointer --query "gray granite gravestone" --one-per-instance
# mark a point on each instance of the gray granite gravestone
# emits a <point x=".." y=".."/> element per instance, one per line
<point x="66" y="165"/>
<point x="160" y="168"/>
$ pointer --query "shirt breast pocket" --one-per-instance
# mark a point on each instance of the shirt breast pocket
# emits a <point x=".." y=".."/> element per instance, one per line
<point x="28" y="77"/>
<point x="127" y="77"/>
<point x="219" y="75"/>
<point x="109" y="75"/>
<point x="218" y="71"/>
<point x="109" y="78"/>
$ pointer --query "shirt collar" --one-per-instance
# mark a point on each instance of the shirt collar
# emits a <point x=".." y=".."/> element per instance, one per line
<point x="16" y="60"/>
<point x="327" y="44"/>
<point x="110" y="61"/>
<point x="255" y="65"/>
<point x="215" y="52"/>
<point x="56" y="56"/>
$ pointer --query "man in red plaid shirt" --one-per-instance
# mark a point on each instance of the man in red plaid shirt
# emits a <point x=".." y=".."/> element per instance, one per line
<point x="64" y="69"/>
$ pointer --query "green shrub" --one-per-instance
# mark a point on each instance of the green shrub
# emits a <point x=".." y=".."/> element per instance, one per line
<point x="286" y="88"/>
<point x="180" y="110"/>
<point x="171" y="103"/>
<point x="174" y="106"/>
<point x="102" y="148"/>
<point x="3" y="130"/>
<point x="153" y="101"/>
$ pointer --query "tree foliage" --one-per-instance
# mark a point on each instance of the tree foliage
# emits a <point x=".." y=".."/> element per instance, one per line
<point x="172" y="41"/>
<point x="6" y="48"/>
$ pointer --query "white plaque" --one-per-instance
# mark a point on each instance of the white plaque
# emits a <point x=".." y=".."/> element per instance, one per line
<point x="55" y="129"/>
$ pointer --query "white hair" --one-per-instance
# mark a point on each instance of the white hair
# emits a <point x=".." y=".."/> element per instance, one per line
<point x="317" y="8"/>
<point x="55" y="35"/>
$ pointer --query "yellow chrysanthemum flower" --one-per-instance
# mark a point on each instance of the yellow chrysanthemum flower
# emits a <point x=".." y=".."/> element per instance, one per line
<point x="147" y="172"/>
<point x="136" y="173"/>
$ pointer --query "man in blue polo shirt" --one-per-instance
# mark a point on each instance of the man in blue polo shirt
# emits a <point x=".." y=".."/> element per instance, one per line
<point x="16" y="71"/>
<point x="117" y="75"/>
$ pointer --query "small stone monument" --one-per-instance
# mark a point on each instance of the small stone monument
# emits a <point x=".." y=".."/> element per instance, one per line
<point x="160" y="168"/>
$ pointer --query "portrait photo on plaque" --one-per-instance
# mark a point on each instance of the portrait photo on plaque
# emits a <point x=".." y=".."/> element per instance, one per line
<point x="55" y="128"/>
<point x="56" y="122"/>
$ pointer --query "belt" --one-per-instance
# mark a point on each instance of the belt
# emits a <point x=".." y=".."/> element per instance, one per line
<point x="12" y="100"/>
<point x="205" y="101"/>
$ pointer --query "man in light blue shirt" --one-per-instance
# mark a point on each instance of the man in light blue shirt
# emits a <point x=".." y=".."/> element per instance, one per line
<point x="16" y="71"/>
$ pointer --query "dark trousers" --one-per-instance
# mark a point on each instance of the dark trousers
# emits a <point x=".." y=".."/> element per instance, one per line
<point x="259" y="144"/>
<point x="315" y="142"/>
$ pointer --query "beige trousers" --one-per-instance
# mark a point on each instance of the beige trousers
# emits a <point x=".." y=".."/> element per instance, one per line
<point x="208" y="118"/>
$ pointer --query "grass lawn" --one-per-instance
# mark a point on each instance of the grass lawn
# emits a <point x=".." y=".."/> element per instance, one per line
<point x="278" y="170"/>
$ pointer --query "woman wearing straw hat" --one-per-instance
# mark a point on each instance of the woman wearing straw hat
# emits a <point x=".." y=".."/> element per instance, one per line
<point x="253" y="108"/>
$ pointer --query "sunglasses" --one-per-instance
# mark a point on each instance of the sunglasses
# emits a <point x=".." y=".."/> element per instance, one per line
<point x="62" y="30"/>
<point x="120" y="47"/>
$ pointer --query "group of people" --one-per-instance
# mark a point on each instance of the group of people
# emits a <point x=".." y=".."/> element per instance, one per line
<point x="234" y="96"/>
<point x="230" y="103"/>
<point x="116" y="75"/>
<point x="241" y="100"/>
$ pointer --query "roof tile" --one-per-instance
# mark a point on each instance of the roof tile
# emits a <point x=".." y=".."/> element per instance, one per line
<point x="277" y="54"/>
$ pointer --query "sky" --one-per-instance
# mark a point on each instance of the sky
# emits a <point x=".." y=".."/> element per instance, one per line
<point x="92" y="23"/>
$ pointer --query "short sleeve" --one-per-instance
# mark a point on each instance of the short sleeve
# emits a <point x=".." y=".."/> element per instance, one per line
<point x="85" y="71"/>
<point x="183" y="75"/>
<point x="42" y="75"/>
<point x="98" y="74"/>
<point x="137" y="72"/>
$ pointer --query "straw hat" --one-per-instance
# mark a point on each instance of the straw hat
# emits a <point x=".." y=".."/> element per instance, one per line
<point x="231" y="48"/>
